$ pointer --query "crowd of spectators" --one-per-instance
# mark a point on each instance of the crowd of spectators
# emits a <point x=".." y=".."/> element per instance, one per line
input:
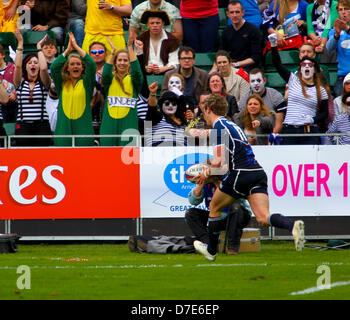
<point x="93" y="76"/>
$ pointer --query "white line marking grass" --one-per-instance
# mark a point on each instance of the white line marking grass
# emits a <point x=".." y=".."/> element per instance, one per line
<point x="320" y="288"/>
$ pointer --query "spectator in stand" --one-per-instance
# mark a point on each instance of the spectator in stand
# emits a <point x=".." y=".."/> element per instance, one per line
<point x="273" y="100"/>
<point x="195" y="78"/>
<point x="32" y="81"/>
<point x="256" y="119"/>
<point x="168" y="123"/>
<point x="160" y="48"/>
<point x="136" y="26"/>
<point x="50" y="15"/>
<point x="122" y="80"/>
<point x="104" y="18"/>
<point x="4" y="99"/>
<point x="242" y="39"/>
<point x="252" y="11"/>
<point x="216" y="85"/>
<point x="338" y="105"/>
<point x="338" y="39"/>
<point x="74" y="77"/>
<point x="341" y="123"/>
<point x="236" y="85"/>
<point x="307" y="98"/>
<point x="8" y="15"/>
<point x="9" y="110"/>
<point x="98" y="53"/>
<point x="320" y="19"/>
<point x="76" y="20"/>
<point x="50" y="51"/>
<point x="200" y="20"/>
<point x="287" y="20"/>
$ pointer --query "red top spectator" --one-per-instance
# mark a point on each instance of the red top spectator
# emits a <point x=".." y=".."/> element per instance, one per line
<point x="199" y="8"/>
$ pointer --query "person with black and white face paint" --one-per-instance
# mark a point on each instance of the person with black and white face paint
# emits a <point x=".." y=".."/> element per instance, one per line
<point x="341" y="123"/>
<point x="273" y="99"/>
<point x="167" y="124"/>
<point x="307" y="105"/>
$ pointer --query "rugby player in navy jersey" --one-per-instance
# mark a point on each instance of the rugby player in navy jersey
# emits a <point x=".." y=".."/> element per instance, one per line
<point x="244" y="178"/>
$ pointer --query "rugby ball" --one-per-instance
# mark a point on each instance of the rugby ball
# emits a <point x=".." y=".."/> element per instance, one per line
<point x="195" y="170"/>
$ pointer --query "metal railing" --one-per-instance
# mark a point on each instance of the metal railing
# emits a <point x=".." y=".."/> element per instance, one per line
<point x="9" y="141"/>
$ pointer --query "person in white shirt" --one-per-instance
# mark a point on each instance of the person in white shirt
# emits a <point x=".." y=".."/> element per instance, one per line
<point x="160" y="48"/>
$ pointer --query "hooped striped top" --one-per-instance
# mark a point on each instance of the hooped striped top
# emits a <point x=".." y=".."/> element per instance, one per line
<point x="31" y="103"/>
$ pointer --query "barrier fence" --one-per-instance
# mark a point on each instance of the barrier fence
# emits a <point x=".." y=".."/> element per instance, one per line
<point x="147" y="183"/>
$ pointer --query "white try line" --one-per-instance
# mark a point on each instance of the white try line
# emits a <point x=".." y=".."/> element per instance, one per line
<point x="80" y="265"/>
<point x="320" y="288"/>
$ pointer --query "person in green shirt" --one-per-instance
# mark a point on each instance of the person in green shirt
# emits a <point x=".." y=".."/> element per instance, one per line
<point x="122" y="81"/>
<point x="74" y="76"/>
<point x="321" y="15"/>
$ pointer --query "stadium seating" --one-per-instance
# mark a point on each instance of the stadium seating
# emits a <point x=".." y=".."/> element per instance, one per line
<point x="8" y="39"/>
<point x="31" y="38"/>
<point x="205" y="60"/>
<point x="289" y="58"/>
<point x="154" y="77"/>
<point x="274" y="80"/>
<point x="223" y="18"/>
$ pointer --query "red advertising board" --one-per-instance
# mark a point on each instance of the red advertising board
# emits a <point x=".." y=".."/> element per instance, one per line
<point x="69" y="183"/>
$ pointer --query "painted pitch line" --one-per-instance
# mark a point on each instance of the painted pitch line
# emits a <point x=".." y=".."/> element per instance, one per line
<point x="320" y="288"/>
<point x="81" y="266"/>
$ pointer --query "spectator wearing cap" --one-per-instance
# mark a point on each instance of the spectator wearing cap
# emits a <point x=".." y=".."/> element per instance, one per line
<point x="338" y="105"/>
<point x="168" y="123"/>
<point x="104" y="18"/>
<point x="160" y="48"/>
<point x="341" y="123"/>
<point x="136" y="27"/>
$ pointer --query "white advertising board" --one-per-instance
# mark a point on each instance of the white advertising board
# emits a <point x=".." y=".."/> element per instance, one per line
<point x="303" y="180"/>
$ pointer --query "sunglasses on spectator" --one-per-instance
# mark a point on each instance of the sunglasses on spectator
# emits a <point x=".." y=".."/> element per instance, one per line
<point x="97" y="51"/>
<point x="307" y="64"/>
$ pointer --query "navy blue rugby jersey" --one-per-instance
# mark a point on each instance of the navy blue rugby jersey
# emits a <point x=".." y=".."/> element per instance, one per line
<point x="236" y="143"/>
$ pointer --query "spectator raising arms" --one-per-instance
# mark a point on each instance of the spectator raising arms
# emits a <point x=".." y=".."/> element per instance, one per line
<point x="74" y="78"/>
<point x="307" y="105"/>
<point x="122" y="81"/>
<point x="32" y="81"/>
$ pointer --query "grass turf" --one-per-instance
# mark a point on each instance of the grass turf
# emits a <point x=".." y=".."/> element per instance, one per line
<point x="111" y="271"/>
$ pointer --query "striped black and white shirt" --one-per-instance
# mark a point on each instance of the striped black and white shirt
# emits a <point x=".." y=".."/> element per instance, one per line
<point x="300" y="106"/>
<point x="159" y="130"/>
<point x="31" y="103"/>
<point x="341" y="124"/>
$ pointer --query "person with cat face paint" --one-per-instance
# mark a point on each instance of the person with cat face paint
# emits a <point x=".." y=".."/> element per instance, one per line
<point x="307" y="104"/>
<point x="273" y="99"/>
<point x="341" y="123"/>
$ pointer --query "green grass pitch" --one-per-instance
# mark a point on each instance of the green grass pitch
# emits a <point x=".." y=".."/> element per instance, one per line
<point x="111" y="271"/>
